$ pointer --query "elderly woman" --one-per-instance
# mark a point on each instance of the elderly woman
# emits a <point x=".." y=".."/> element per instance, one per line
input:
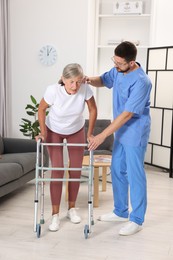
<point x="65" y="120"/>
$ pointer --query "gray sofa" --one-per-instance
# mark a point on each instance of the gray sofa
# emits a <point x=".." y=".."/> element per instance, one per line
<point x="18" y="158"/>
<point x="17" y="163"/>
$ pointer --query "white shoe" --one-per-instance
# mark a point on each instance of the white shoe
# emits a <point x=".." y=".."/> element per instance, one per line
<point x="54" y="226"/>
<point x="72" y="215"/>
<point x="111" y="217"/>
<point x="130" y="229"/>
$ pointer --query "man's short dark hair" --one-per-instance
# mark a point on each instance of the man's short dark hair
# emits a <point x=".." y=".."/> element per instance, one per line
<point x="126" y="50"/>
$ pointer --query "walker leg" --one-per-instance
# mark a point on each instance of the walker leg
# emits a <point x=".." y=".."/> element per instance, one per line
<point x="36" y="207"/>
<point x="87" y="229"/>
<point x="42" y="204"/>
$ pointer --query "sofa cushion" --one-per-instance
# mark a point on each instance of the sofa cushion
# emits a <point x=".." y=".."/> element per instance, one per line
<point x="1" y="145"/>
<point x="25" y="160"/>
<point x="10" y="172"/>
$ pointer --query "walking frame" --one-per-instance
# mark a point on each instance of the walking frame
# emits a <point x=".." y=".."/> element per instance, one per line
<point x="40" y="180"/>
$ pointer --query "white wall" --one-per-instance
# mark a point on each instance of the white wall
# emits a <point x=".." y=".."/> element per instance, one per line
<point x="34" y="23"/>
<point x="69" y="26"/>
<point x="162" y="23"/>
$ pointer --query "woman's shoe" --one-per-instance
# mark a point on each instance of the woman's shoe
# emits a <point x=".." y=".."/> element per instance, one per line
<point x="54" y="226"/>
<point x="72" y="215"/>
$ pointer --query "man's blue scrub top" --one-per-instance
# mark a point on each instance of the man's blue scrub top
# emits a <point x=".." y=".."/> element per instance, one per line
<point x="131" y="92"/>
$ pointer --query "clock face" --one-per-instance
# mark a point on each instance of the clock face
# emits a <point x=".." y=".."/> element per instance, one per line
<point x="48" y="55"/>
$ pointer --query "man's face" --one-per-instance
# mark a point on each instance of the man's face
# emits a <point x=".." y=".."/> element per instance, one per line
<point x="121" y="64"/>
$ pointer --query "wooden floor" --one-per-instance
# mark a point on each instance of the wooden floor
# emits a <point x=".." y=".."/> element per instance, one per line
<point x="154" y="242"/>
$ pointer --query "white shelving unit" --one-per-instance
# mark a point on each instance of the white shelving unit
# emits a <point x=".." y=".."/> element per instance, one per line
<point x="114" y="27"/>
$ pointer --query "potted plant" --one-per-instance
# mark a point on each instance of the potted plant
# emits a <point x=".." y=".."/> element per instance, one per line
<point x="31" y="128"/>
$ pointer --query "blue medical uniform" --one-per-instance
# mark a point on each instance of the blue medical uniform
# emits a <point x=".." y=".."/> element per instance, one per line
<point x="131" y="92"/>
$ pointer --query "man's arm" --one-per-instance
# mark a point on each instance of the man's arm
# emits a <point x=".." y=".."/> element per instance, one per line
<point x="94" y="81"/>
<point x="118" y="122"/>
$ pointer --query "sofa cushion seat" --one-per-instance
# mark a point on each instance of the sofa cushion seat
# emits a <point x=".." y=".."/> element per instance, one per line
<point x="10" y="172"/>
<point x="25" y="160"/>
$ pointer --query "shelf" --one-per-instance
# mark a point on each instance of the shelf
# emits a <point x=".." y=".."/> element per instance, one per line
<point x="113" y="46"/>
<point x="110" y="30"/>
<point x="113" y="28"/>
<point x="124" y="15"/>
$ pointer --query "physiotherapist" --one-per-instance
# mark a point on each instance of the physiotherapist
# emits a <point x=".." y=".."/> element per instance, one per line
<point x="131" y="125"/>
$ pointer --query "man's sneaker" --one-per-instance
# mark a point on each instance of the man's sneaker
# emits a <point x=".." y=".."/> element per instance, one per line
<point x="54" y="226"/>
<point x="72" y="215"/>
<point x="130" y="229"/>
<point x="111" y="217"/>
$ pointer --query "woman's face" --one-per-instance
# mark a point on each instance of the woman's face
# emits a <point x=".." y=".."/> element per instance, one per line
<point x="72" y="85"/>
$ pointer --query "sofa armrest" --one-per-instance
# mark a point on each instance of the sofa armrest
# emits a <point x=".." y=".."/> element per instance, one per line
<point x="19" y="145"/>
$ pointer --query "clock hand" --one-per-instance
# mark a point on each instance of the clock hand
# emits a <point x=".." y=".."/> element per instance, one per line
<point x="48" y="51"/>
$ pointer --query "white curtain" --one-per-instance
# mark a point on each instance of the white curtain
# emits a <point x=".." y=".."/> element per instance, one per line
<point x="4" y="70"/>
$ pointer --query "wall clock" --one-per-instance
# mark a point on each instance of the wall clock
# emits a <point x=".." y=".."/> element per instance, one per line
<point x="48" y="55"/>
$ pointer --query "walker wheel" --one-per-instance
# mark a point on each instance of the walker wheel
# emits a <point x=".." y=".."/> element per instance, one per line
<point x="86" y="231"/>
<point x="38" y="230"/>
